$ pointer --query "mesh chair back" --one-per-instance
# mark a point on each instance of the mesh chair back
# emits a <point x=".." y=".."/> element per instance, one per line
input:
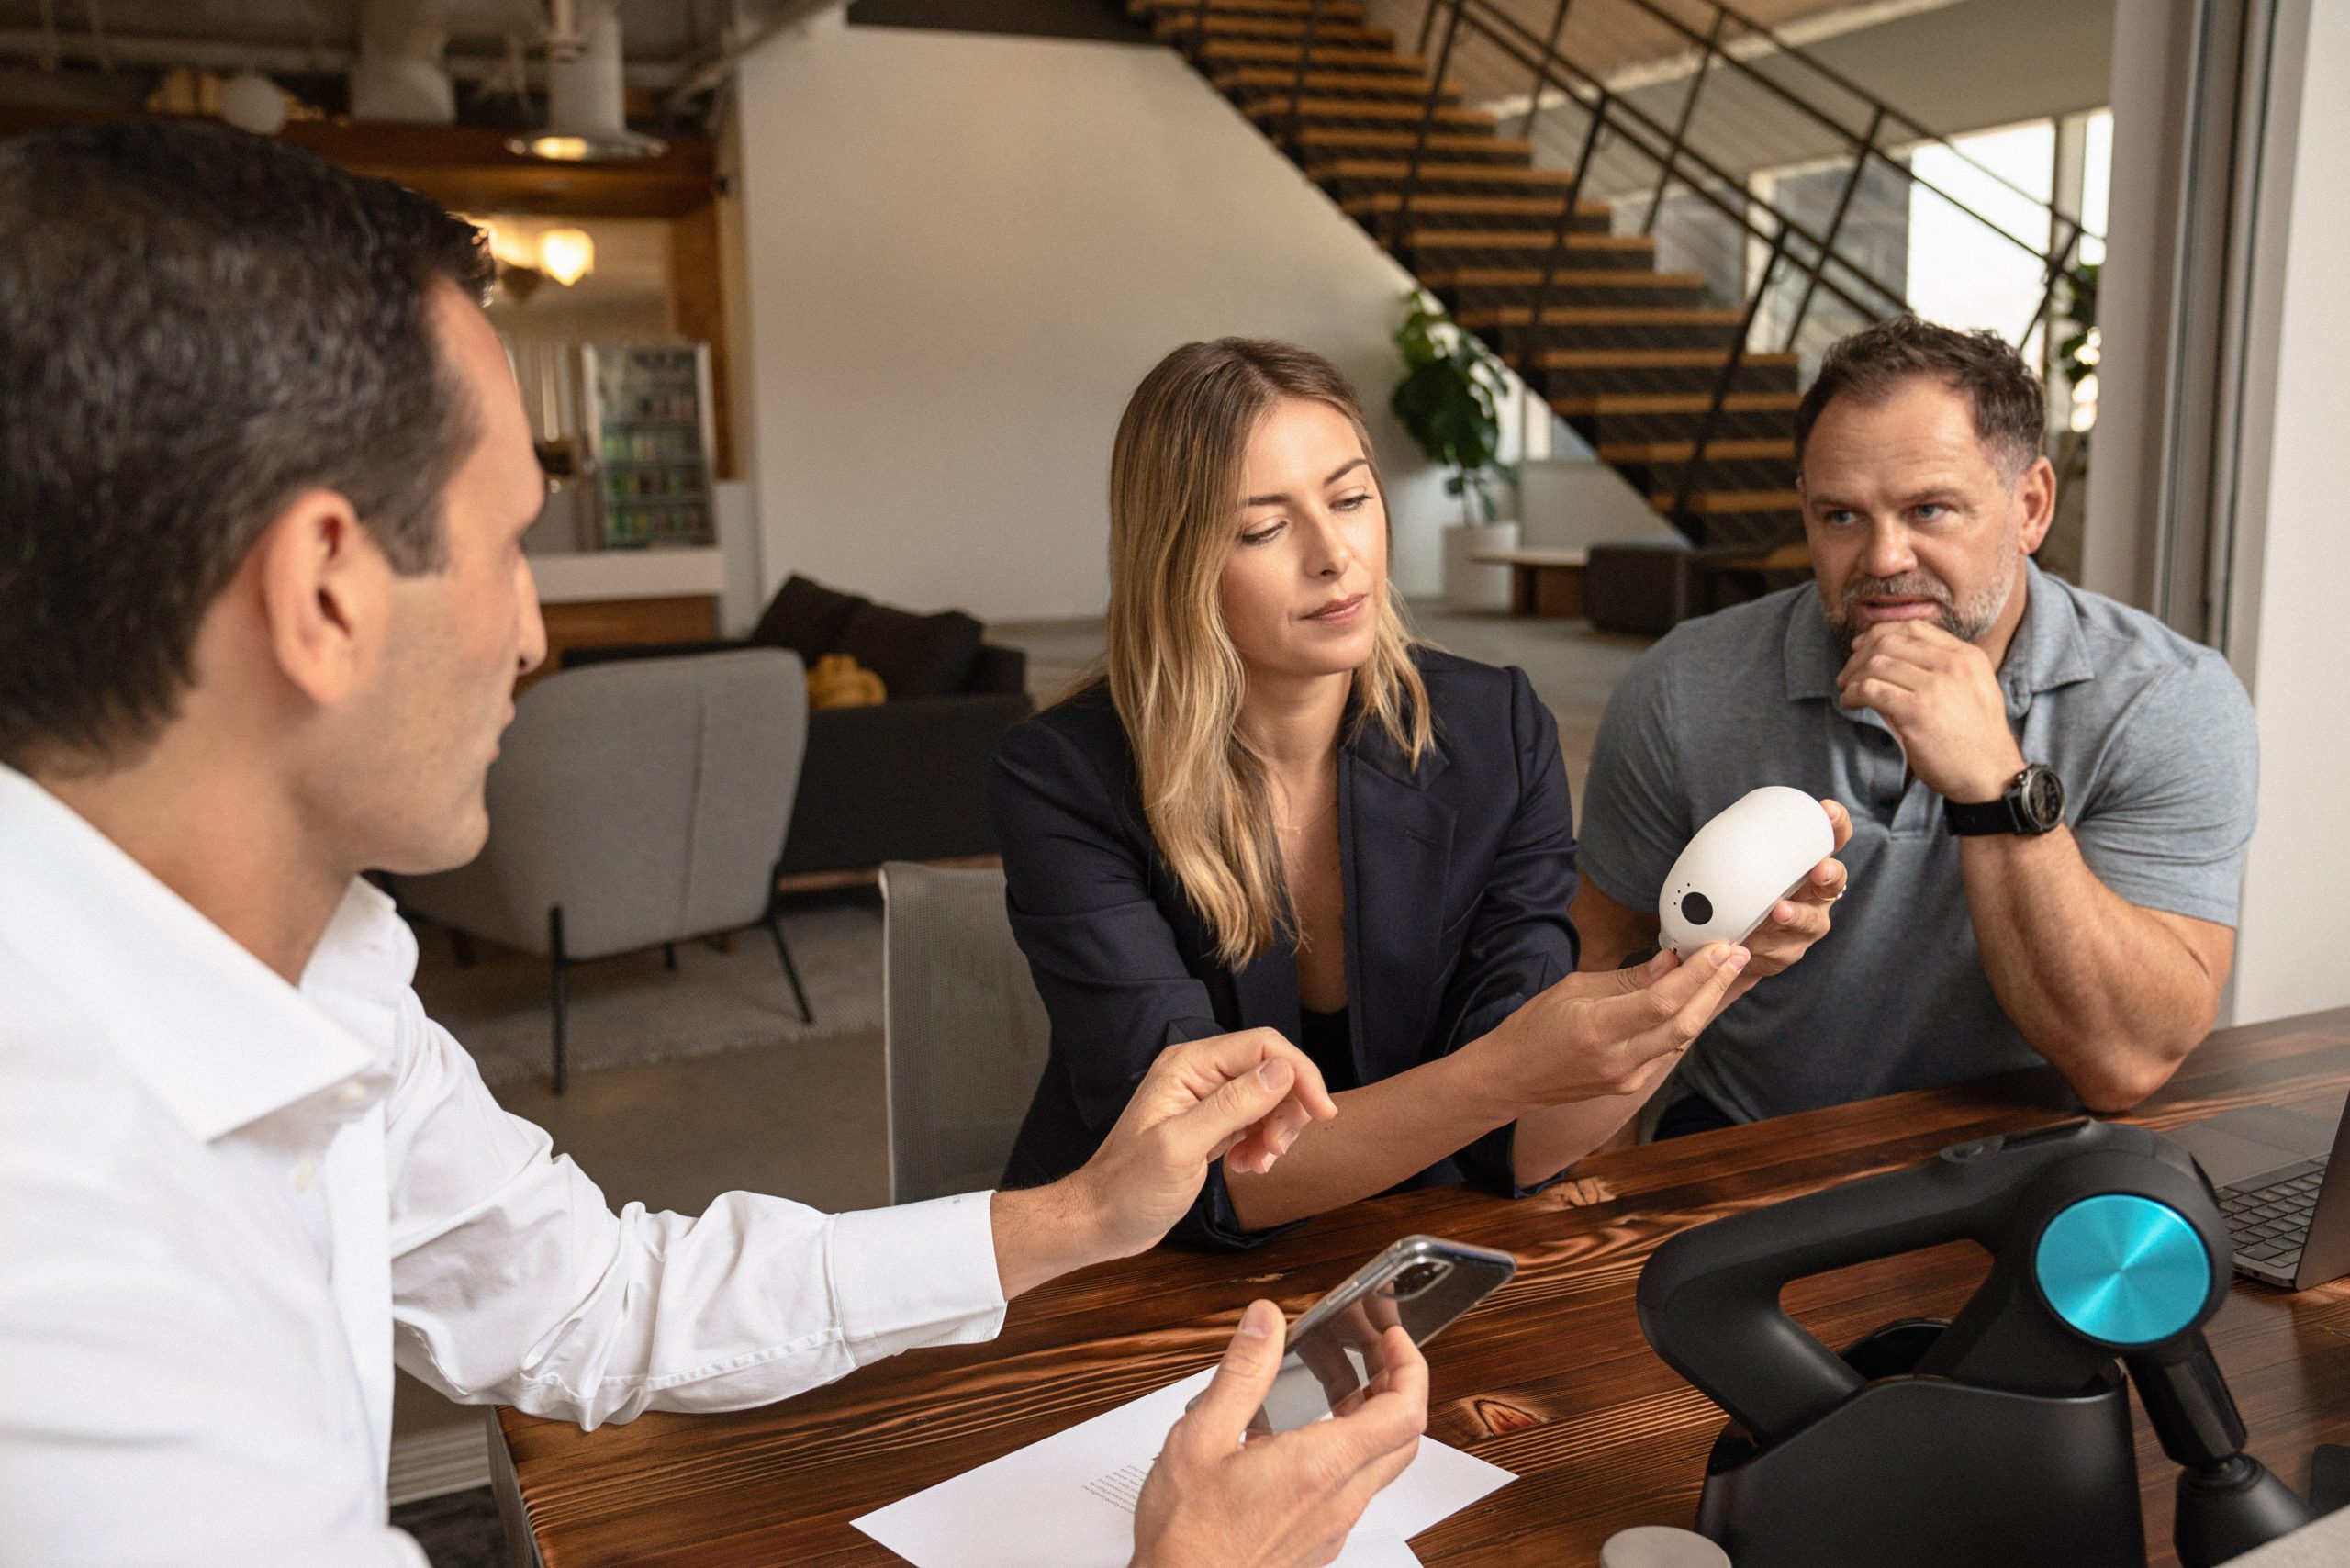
<point x="647" y="798"/>
<point x="964" y="1031"/>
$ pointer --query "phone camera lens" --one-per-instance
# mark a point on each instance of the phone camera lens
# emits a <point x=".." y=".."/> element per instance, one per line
<point x="1416" y="1280"/>
<point x="1696" y="909"/>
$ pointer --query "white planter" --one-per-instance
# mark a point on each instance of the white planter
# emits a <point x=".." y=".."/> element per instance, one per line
<point x="1470" y="584"/>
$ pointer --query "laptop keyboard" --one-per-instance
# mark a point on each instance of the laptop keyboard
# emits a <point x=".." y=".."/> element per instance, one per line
<point x="2270" y="1222"/>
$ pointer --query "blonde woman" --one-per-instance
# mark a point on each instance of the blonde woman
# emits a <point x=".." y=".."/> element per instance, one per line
<point x="1277" y="810"/>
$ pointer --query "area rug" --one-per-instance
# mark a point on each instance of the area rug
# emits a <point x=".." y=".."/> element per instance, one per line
<point x="631" y="1009"/>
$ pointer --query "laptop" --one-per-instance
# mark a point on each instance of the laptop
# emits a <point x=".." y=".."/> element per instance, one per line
<point x="2283" y="1179"/>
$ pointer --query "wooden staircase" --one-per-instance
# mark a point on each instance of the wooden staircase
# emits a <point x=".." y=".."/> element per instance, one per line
<point x="1628" y="355"/>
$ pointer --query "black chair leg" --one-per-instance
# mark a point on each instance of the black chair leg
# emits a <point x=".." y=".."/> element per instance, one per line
<point x="668" y="954"/>
<point x="775" y="929"/>
<point x="554" y="950"/>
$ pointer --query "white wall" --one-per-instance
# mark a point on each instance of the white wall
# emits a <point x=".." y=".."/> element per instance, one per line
<point x="964" y="252"/>
<point x="2289" y="637"/>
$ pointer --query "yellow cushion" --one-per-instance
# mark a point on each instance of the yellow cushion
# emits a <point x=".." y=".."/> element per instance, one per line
<point x="838" y="681"/>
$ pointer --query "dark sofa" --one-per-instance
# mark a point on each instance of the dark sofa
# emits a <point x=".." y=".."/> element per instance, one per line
<point x="902" y="780"/>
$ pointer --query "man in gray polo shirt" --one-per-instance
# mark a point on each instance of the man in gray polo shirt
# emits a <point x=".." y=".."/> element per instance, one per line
<point x="2051" y="792"/>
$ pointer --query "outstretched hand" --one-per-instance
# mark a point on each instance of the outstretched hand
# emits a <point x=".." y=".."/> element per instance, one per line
<point x="1242" y="1098"/>
<point x="1218" y="1498"/>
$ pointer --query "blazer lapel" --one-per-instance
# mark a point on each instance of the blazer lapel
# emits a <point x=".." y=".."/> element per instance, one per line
<point x="1395" y="848"/>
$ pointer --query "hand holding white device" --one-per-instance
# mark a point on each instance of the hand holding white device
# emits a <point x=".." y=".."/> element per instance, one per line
<point x="1755" y="853"/>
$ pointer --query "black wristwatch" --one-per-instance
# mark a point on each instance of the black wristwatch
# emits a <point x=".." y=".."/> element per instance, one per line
<point x="2033" y="804"/>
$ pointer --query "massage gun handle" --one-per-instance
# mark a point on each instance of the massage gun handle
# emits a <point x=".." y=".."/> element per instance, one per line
<point x="1708" y="1300"/>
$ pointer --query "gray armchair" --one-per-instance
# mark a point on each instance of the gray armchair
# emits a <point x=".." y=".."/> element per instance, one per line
<point x="964" y="1033"/>
<point x="634" y="806"/>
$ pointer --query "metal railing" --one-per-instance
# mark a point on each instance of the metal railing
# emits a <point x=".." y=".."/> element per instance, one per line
<point x="1792" y="268"/>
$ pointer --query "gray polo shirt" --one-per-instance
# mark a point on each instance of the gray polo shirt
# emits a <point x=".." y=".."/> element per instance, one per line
<point x="2152" y="734"/>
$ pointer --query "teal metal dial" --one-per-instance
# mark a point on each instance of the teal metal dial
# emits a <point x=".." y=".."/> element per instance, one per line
<point x="2123" y="1269"/>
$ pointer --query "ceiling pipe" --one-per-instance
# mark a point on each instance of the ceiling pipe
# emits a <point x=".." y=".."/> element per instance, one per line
<point x="586" y="108"/>
<point x="401" y="74"/>
<point x="279" y="60"/>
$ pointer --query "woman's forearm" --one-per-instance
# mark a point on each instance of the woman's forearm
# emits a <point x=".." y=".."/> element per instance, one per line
<point x="1384" y="1132"/>
<point x="1549" y="1140"/>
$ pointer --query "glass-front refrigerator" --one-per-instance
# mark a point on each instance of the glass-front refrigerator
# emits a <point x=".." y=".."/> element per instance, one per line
<point x="651" y="441"/>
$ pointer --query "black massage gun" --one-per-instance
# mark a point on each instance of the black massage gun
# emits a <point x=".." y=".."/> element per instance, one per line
<point x="2003" y="1436"/>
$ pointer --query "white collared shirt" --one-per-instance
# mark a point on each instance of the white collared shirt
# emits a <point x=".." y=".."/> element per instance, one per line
<point x="228" y="1205"/>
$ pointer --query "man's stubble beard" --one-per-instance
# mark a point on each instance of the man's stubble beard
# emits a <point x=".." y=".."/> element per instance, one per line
<point x="1967" y="622"/>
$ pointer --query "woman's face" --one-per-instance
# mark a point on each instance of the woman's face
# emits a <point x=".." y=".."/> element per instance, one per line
<point x="1306" y="575"/>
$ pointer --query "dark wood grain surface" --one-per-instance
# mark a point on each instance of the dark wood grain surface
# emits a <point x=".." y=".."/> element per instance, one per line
<point x="1550" y="1379"/>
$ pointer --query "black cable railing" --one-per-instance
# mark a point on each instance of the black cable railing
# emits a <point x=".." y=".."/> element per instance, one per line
<point x="1801" y="256"/>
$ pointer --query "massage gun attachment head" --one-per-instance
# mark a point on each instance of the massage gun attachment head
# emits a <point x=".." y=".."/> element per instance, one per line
<point x="2228" y="1501"/>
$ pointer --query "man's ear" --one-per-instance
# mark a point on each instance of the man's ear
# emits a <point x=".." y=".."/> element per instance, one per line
<point x="2036" y="493"/>
<point x="326" y="594"/>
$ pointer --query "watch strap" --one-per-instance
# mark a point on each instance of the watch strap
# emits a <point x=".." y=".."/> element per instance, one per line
<point x="2015" y="812"/>
<point x="1980" y="817"/>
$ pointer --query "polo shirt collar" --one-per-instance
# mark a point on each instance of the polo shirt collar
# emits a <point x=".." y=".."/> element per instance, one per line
<point x="2048" y="651"/>
<point x="214" y="1033"/>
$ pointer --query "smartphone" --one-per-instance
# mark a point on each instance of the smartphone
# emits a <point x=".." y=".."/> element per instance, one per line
<point x="1332" y="1354"/>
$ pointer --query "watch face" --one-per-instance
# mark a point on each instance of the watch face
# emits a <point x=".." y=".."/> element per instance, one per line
<point x="2042" y="798"/>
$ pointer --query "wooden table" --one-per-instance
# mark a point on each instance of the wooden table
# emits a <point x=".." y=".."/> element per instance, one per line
<point x="1551" y="1379"/>
<point x="1543" y="581"/>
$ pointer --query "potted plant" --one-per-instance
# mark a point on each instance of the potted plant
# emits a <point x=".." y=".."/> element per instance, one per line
<point x="1446" y="401"/>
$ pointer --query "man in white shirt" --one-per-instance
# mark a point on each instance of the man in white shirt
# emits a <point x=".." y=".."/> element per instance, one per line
<point x="263" y="478"/>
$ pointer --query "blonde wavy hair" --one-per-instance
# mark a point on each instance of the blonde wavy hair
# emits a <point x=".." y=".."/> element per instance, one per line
<point x="1176" y="473"/>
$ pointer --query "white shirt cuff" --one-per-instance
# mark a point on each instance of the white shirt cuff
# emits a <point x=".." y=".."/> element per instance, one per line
<point x="917" y="1273"/>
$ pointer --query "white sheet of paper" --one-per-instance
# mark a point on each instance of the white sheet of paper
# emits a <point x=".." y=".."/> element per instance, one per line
<point x="1068" y="1502"/>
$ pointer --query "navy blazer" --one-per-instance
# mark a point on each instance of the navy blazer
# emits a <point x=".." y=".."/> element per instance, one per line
<point x="1456" y="877"/>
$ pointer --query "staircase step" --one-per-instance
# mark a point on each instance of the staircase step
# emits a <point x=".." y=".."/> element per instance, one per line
<point x="1653" y="452"/>
<point x="1222" y="53"/>
<point x="1712" y="503"/>
<point x="1345" y="177"/>
<point x="1437" y="173"/>
<point x="1470" y="288"/>
<point x="1767" y="524"/>
<point x="1520" y="316"/>
<point x="1537" y="215"/>
<point x="1368" y="114"/>
<point x="1714" y="474"/>
<point x="1650" y="359"/>
<point x="1433" y="250"/>
<point x="1335" y="141"/>
<point x="1675" y="403"/>
<point x="1252" y="85"/>
<point x="1586" y="327"/>
<point x="1621" y="420"/>
<point x="1567" y="372"/>
<point x="1177" y="28"/>
<point x="1332" y="10"/>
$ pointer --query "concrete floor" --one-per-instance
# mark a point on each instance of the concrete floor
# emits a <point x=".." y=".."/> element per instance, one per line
<point x="809" y="1124"/>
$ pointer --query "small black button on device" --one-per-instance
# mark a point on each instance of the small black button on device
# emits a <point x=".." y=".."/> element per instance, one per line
<point x="1961" y="1153"/>
<point x="1696" y="908"/>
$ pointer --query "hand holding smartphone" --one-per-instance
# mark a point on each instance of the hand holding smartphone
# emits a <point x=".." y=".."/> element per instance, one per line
<point x="1332" y="1358"/>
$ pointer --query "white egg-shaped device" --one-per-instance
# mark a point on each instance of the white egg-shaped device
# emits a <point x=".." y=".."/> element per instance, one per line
<point x="1754" y="854"/>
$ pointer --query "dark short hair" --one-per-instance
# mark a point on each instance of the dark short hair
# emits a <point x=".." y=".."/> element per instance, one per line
<point x="195" y="326"/>
<point x="2010" y="405"/>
